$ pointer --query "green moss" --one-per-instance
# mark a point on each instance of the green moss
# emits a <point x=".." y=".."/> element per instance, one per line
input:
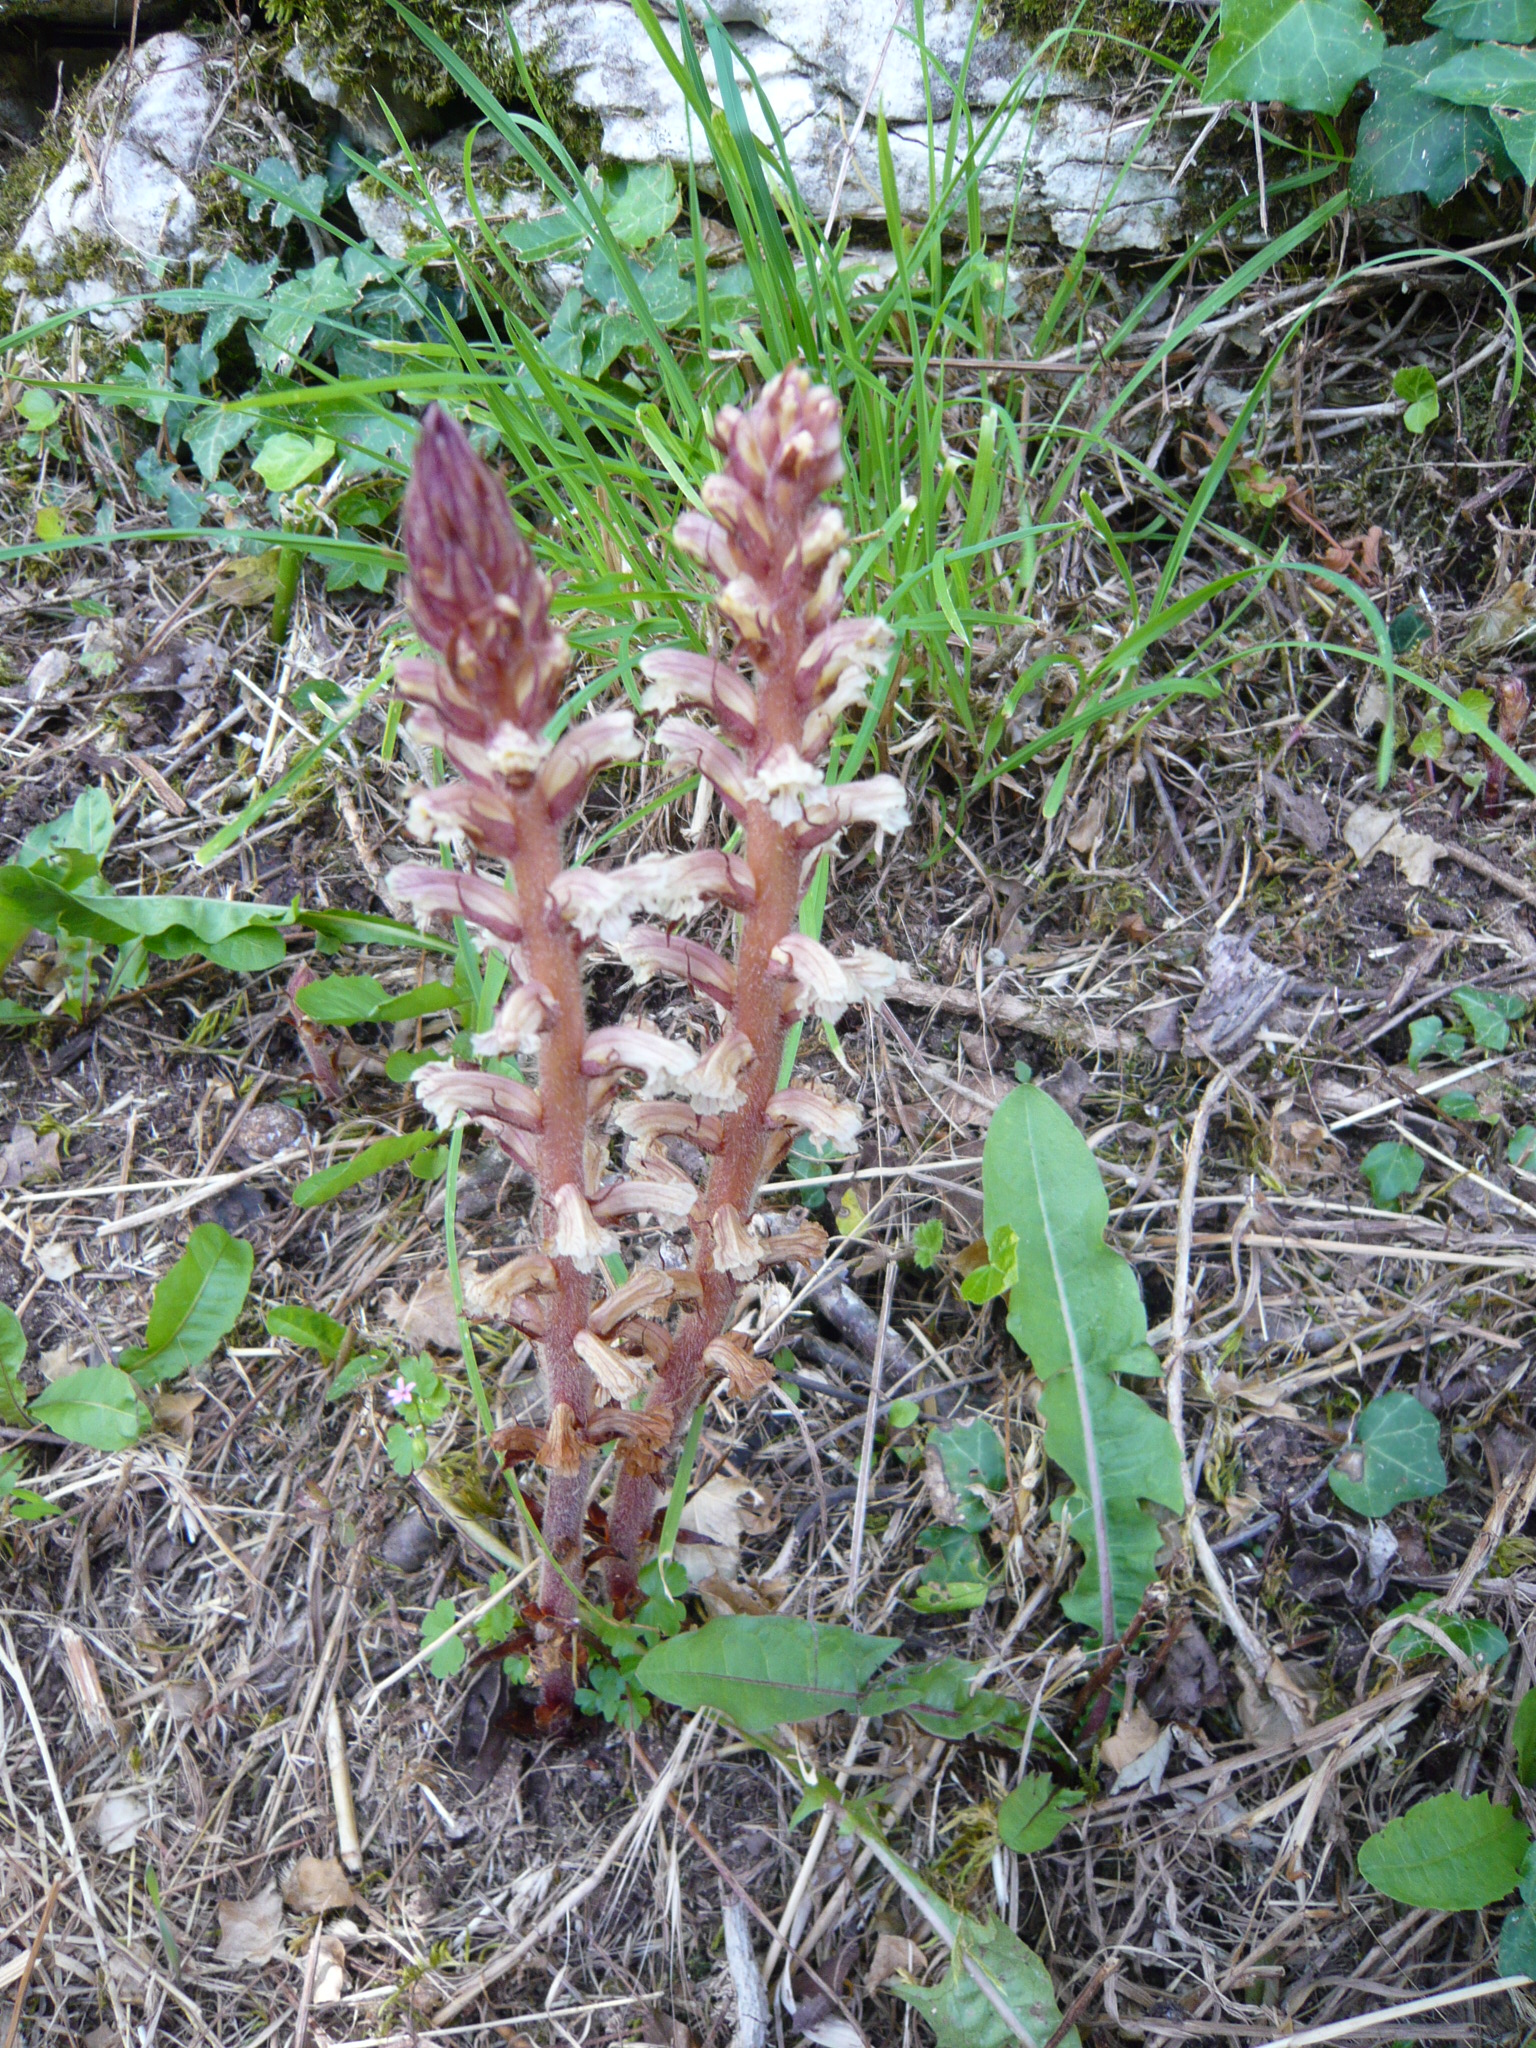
<point x="1106" y="35"/>
<point x="359" y="37"/>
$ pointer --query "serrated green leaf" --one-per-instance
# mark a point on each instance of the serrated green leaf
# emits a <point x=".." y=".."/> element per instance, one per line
<point x="1522" y="1738"/>
<point x="1448" y="1853"/>
<point x="1393" y="1170"/>
<point x="331" y="1181"/>
<point x="1138" y="1455"/>
<point x="1395" y="1457"/>
<point x="1032" y="1816"/>
<point x="1135" y="1538"/>
<point x="98" y="1407"/>
<point x="943" y="1699"/>
<point x="197" y="1303"/>
<point x="1517" y="1944"/>
<point x="1413" y="141"/>
<point x="760" y="1669"/>
<point x="1309" y="53"/>
<point x="1487" y="75"/>
<point x="450" y="1654"/>
<point x="958" y="2009"/>
<point x="13" y="1352"/>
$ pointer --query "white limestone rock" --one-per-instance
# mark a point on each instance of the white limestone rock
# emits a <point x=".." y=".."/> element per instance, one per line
<point x="1058" y="157"/>
<point x="131" y="189"/>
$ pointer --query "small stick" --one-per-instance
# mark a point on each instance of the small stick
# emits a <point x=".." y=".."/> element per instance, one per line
<point x="29" y="1962"/>
<point x="348" y="1842"/>
<point x="307" y="1995"/>
<point x="867" y="1451"/>
<point x="1084" y="1998"/>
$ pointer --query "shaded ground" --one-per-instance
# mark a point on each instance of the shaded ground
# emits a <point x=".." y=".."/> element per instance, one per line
<point x="186" y="1628"/>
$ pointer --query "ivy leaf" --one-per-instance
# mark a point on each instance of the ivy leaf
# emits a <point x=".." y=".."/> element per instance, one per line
<point x="198" y="1302"/>
<point x="211" y="436"/>
<point x="1485" y="21"/>
<point x="1424" y="1036"/>
<point x="1395" y="1458"/>
<point x="1489" y="1014"/>
<point x="1393" y="1170"/>
<point x="98" y="1407"/>
<point x="1517" y="132"/>
<point x="1412" y="141"/>
<point x="1309" y="53"/>
<point x="1416" y="386"/>
<point x="641" y="202"/>
<point x="970" y="1456"/>
<point x="1487" y="75"/>
<point x="1450" y="1854"/>
<point x="959" y="2011"/>
<point x="285" y="460"/>
<point x="760" y="1669"/>
<point x="1475" y="1638"/>
<point x="1032" y="1815"/>
<point x="1522" y="1144"/>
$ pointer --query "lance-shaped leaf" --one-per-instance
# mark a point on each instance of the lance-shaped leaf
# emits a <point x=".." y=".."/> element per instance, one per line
<point x="760" y="1669"/>
<point x="1449" y="1853"/>
<point x="198" y="1302"/>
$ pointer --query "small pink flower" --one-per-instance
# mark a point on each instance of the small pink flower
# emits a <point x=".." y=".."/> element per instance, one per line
<point x="400" y="1395"/>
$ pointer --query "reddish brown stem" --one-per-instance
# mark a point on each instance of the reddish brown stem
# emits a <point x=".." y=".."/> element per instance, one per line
<point x="554" y="960"/>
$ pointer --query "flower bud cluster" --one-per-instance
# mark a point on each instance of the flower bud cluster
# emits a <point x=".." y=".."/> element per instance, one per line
<point x="626" y="1360"/>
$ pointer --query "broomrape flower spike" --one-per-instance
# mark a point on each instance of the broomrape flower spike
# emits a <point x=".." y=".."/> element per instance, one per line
<point x="626" y="1366"/>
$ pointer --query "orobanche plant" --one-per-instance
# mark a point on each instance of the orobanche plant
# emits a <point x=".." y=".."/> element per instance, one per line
<point x="628" y="1350"/>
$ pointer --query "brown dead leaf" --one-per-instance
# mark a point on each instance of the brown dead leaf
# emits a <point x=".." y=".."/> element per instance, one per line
<point x="723" y="1510"/>
<point x="1134" y="1735"/>
<point x="1088" y="826"/>
<point x="175" y="1409"/>
<point x="317" y="1884"/>
<point x="56" y="1261"/>
<point x="250" y="581"/>
<point x="896" y="1955"/>
<point x="25" y="1157"/>
<point x="118" y="1819"/>
<point x="429" y="1318"/>
<point x="331" y="1976"/>
<point x="250" y="1930"/>
<point x="1369" y="830"/>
